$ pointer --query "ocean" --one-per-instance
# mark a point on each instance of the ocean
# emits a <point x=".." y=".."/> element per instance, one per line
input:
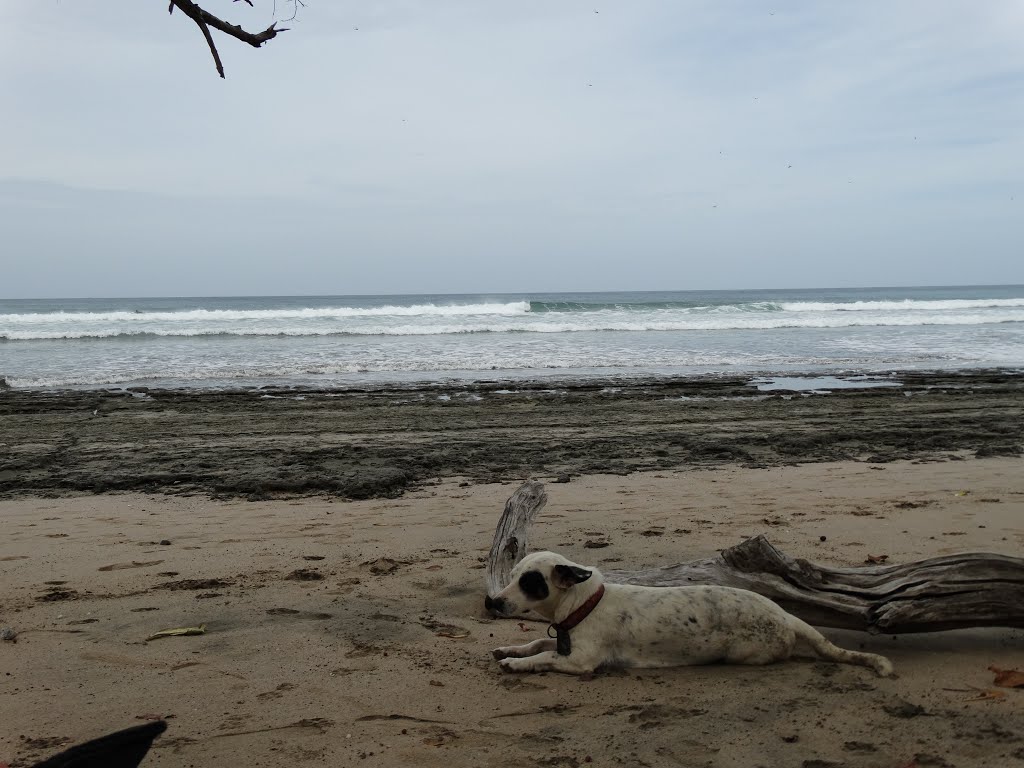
<point x="360" y="341"/>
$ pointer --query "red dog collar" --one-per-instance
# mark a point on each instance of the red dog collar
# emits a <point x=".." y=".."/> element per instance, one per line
<point x="563" y="644"/>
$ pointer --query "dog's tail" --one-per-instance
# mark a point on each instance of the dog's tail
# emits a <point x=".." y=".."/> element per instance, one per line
<point x="826" y="650"/>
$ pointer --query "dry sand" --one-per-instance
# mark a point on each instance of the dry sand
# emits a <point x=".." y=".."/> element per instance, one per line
<point x="352" y="633"/>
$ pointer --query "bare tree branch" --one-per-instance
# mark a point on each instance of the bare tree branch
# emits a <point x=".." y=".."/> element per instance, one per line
<point x="204" y="20"/>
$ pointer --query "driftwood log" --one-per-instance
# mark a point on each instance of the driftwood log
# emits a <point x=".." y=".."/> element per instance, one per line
<point x="510" y="537"/>
<point x="977" y="589"/>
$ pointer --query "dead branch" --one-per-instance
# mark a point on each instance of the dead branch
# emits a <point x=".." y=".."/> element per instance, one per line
<point x="204" y="20"/>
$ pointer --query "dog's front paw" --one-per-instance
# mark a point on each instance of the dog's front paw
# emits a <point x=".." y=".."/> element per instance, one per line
<point x="511" y="665"/>
<point x="500" y="653"/>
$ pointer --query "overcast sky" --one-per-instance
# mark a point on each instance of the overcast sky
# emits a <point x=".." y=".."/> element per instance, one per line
<point x="392" y="146"/>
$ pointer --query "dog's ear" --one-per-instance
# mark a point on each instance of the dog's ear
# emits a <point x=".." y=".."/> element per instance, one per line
<point x="565" y="576"/>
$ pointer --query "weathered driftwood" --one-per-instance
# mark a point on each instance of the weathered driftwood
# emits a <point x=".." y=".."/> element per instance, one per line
<point x="977" y="589"/>
<point x="510" y="538"/>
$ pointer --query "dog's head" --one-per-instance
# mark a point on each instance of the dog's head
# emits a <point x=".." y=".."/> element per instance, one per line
<point x="539" y="582"/>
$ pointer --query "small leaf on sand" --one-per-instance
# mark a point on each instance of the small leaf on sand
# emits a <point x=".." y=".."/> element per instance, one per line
<point x="1008" y="678"/>
<point x="178" y="631"/>
<point x="876" y="559"/>
<point x="524" y="628"/>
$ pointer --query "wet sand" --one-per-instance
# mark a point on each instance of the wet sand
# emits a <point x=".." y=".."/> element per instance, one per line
<point x="351" y="632"/>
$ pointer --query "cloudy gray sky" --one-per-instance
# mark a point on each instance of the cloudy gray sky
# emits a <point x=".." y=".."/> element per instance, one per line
<point x="473" y="146"/>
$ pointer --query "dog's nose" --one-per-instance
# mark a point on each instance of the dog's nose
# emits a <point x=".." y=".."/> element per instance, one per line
<point x="488" y="603"/>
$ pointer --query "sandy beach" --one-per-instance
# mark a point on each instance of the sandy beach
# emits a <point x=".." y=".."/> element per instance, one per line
<point x="331" y="545"/>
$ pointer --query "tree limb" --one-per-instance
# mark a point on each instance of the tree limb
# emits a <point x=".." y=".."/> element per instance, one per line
<point x="204" y="20"/>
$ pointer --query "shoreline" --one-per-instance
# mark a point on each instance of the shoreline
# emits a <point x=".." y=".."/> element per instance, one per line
<point x="531" y="378"/>
<point x="373" y="443"/>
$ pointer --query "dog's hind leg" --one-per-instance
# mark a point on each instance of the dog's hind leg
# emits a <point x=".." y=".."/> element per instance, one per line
<point x="521" y="651"/>
<point x="826" y="650"/>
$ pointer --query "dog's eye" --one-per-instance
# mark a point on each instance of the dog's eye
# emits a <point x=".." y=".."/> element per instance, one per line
<point x="534" y="585"/>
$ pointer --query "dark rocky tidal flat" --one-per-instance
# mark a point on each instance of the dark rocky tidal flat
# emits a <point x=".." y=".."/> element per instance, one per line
<point x="264" y="443"/>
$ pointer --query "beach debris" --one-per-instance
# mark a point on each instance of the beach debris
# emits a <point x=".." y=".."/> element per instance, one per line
<point x="305" y="574"/>
<point x="912" y="504"/>
<point x="56" y="594"/>
<point x="385" y="566"/>
<point x="452" y="631"/>
<point x="904" y="709"/>
<point x="962" y="493"/>
<point x="524" y="628"/>
<point x="178" y="632"/>
<point x="165" y="542"/>
<point x="320" y="724"/>
<point x="876" y="559"/>
<point x="132" y="564"/>
<point x="439" y="737"/>
<point x="442" y="629"/>
<point x="8" y="635"/>
<point x="1008" y="678"/>
<point x="986" y="694"/>
<point x="195" y="584"/>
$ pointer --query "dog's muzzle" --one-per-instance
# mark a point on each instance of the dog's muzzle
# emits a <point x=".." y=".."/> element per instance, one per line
<point x="494" y="605"/>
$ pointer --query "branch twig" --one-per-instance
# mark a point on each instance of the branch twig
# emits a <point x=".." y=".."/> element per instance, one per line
<point x="204" y="20"/>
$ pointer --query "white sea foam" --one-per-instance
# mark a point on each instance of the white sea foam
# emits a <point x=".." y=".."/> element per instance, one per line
<point x="549" y="323"/>
<point x="266" y="315"/>
<point x="937" y="305"/>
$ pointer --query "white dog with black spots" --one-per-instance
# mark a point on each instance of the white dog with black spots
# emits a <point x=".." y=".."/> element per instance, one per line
<point x="617" y="625"/>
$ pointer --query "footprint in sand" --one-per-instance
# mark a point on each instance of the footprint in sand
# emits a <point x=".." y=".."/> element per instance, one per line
<point x="277" y="692"/>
